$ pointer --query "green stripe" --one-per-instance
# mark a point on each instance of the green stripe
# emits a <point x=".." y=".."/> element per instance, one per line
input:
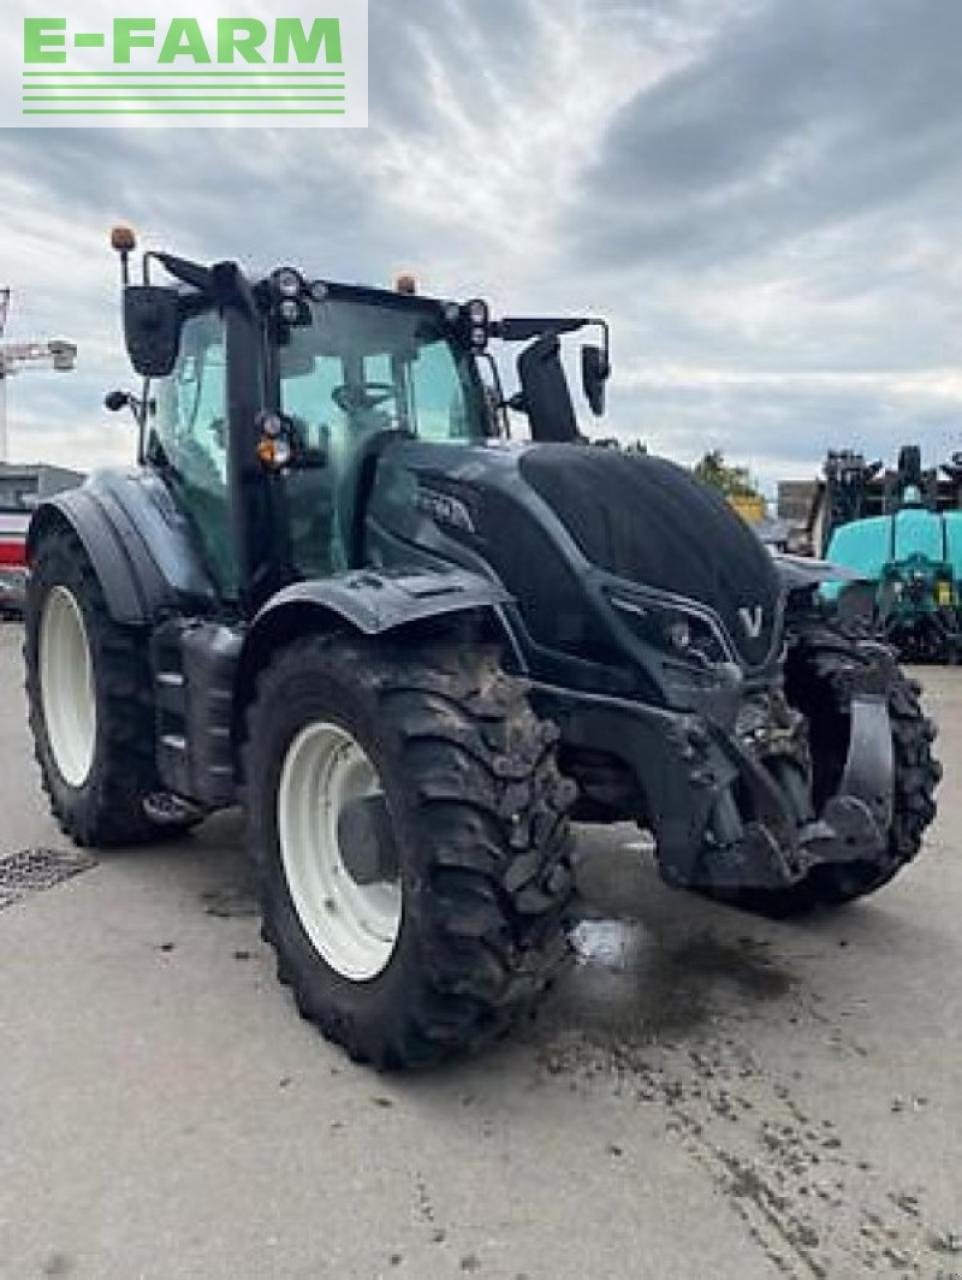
<point x="154" y="111"/>
<point x="182" y="73"/>
<point x="130" y="90"/>
<point x="179" y="97"/>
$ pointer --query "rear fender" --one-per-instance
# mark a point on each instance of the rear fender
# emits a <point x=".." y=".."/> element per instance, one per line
<point x="136" y="540"/>
<point x="128" y="594"/>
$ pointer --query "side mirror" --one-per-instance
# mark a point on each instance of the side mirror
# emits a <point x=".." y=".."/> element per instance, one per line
<point x="545" y="397"/>
<point x="152" y="325"/>
<point x="595" y="372"/>
<point x="114" y="401"/>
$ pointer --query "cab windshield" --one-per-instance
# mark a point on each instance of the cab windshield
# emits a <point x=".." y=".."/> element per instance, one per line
<point x="359" y="371"/>
<point x="363" y="368"/>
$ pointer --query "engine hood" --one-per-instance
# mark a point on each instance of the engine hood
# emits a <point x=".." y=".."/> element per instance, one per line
<point x="648" y="521"/>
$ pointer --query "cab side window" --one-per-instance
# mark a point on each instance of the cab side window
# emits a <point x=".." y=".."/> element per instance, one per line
<point x="441" y="395"/>
<point x="308" y="396"/>
<point x="190" y="426"/>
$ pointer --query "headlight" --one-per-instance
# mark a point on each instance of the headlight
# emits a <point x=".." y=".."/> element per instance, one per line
<point x="679" y="635"/>
<point x="673" y="629"/>
<point x="289" y="283"/>
<point x="478" y="323"/>
<point x="478" y="313"/>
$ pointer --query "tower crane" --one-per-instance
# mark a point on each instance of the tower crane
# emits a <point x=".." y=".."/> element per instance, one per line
<point x="17" y="356"/>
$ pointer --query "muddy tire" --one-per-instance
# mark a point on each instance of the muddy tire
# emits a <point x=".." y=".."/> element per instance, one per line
<point x="458" y="928"/>
<point x="820" y="658"/>
<point x="90" y="703"/>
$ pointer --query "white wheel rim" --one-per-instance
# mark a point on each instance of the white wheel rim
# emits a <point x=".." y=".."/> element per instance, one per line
<point x="353" y="926"/>
<point x="67" y="687"/>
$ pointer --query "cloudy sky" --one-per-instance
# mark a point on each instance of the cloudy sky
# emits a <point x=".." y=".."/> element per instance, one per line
<point x="764" y="196"/>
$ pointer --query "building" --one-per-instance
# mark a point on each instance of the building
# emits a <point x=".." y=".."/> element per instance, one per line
<point x="795" y="500"/>
<point x="22" y="487"/>
<point x="801" y="506"/>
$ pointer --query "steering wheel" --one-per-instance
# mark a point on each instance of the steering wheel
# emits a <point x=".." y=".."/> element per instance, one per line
<point x="363" y="398"/>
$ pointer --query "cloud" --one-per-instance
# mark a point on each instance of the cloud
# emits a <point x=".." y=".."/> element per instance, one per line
<point x="763" y="196"/>
<point x="800" y="117"/>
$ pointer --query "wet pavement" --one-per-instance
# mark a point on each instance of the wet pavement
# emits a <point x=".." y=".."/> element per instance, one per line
<point x="705" y="1094"/>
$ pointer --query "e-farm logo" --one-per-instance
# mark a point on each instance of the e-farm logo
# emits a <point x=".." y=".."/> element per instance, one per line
<point x="307" y="68"/>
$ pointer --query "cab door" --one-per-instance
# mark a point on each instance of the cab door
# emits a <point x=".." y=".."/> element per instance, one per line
<point x="189" y="440"/>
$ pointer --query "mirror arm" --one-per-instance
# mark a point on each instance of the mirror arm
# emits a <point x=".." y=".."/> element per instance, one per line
<point x="147" y="407"/>
<point x="229" y="287"/>
<point x="605" y="328"/>
<point x="140" y="407"/>
<point x="189" y="273"/>
<point x="524" y="328"/>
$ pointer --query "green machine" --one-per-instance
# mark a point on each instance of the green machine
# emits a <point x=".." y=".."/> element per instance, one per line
<point x="907" y="560"/>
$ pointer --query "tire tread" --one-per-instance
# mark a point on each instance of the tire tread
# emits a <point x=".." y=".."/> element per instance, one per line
<point x="486" y="799"/>
<point x="109" y="809"/>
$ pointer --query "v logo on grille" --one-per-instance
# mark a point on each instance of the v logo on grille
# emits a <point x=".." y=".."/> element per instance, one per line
<point x="752" y="620"/>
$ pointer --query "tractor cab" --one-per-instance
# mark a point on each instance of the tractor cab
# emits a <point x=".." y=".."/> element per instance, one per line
<point x="269" y="404"/>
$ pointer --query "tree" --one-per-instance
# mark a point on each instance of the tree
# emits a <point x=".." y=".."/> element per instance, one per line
<point x="733" y="482"/>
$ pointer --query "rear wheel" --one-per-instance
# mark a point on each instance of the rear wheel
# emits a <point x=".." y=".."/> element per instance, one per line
<point x="408" y="826"/>
<point x="820" y="662"/>
<point x="90" y="703"/>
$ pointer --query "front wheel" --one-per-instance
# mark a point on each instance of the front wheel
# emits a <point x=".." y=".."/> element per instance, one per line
<point x="408" y="826"/>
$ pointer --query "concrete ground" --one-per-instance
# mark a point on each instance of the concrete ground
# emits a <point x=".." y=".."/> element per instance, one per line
<point x="705" y="1095"/>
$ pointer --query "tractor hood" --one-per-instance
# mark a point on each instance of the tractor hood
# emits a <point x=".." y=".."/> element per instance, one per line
<point x="542" y="517"/>
<point x="648" y="521"/>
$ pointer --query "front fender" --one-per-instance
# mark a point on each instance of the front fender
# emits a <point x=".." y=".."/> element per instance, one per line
<point x="370" y="601"/>
<point x="374" y="602"/>
<point x="799" y="573"/>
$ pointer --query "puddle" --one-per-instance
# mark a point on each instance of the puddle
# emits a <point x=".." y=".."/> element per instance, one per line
<point x="631" y="985"/>
<point x="614" y="944"/>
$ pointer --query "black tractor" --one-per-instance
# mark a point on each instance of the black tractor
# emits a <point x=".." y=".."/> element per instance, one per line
<point x="335" y="593"/>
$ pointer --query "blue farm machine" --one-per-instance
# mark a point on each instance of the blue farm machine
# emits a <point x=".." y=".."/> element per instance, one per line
<point x="900" y="533"/>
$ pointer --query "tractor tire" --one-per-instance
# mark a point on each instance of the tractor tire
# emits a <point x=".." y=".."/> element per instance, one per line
<point x="820" y="656"/>
<point x="91" y="711"/>
<point x="461" y="928"/>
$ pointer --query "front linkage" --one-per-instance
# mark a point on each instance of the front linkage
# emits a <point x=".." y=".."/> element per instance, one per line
<point x="770" y="826"/>
<point x="814" y="792"/>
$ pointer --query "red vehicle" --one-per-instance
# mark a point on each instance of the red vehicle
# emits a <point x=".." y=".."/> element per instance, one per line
<point x="13" y="561"/>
